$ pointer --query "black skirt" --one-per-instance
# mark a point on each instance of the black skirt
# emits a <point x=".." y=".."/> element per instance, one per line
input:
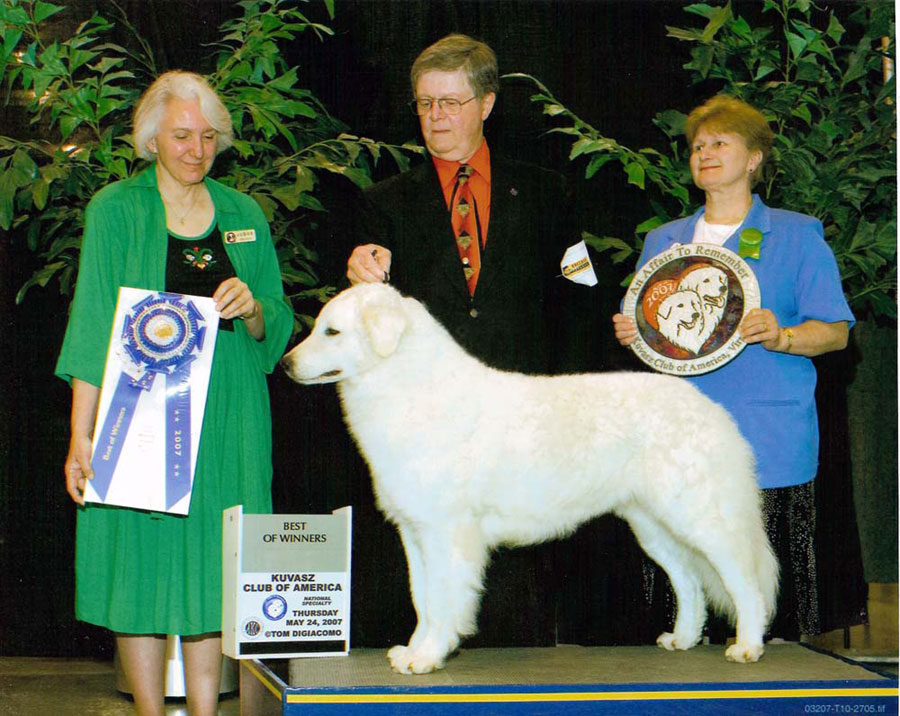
<point x="790" y="519"/>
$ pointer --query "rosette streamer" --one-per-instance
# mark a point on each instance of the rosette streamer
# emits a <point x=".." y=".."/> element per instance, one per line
<point x="162" y="335"/>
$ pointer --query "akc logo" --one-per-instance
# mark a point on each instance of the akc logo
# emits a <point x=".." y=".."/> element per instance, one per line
<point x="252" y="628"/>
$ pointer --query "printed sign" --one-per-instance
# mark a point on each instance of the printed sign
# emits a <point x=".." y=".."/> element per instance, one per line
<point x="152" y="401"/>
<point x="688" y="304"/>
<point x="286" y="584"/>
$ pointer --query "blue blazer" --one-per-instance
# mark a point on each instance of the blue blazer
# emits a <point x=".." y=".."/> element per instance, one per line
<point x="772" y="395"/>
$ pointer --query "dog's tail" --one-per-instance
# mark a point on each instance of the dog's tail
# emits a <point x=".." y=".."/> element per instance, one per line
<point x="765" y="568"/>
<point x="716" y="594"/>
<point x="762" y="563"/>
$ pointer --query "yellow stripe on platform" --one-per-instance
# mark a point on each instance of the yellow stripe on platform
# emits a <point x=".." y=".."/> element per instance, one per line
<point x="382" y="698"/>
<point x="262" y="678"/>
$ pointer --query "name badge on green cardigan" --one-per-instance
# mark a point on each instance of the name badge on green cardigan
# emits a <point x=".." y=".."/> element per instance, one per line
<point x="241" y="236"/>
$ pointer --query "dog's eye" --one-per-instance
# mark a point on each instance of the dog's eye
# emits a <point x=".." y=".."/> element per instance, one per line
<point x="331" y="331"/>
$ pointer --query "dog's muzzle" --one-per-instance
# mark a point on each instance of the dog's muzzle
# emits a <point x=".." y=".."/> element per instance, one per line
<point x="287" y="364"/>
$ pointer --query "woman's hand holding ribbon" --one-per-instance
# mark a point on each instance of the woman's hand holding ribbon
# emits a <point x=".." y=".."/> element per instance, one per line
<point x="78" y="467"/>
<point x="235" y="300"/>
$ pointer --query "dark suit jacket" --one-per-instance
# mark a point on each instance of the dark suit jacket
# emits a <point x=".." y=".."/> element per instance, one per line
<point x="524" y="315"/>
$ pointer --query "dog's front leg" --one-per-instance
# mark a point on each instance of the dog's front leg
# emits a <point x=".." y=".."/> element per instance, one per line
<point x="416" y="568"/>
<point x="446" y="564"/>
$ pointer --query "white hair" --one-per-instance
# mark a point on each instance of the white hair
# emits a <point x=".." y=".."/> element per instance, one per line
<point x="179" y="85"/>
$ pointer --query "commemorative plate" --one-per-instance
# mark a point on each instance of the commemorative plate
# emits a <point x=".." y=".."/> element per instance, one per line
<point x="688" y="303"/>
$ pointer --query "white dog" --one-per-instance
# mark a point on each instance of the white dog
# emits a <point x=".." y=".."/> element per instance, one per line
<point x="681" y="320"/>
<point x="462" y="466"/>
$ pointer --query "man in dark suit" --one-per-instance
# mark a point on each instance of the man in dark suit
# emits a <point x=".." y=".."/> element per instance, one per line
<point x="498" y="289"/>
<point x="517" y="312"/>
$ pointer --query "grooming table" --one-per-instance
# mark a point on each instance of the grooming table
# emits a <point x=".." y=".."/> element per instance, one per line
<point x="569" y="680"/>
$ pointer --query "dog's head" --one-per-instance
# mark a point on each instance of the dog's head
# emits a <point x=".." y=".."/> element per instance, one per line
<point x="710" y="283"/>
<point x="355" y="330"/>
<point x="681" y="310"/>
<point x="680" y="317"/>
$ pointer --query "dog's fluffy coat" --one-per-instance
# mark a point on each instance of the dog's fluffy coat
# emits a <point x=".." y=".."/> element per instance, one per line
<point x="465" y="458"/>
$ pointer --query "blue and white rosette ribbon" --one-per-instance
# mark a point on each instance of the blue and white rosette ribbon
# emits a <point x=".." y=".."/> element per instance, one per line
<point x="162" y="335"/>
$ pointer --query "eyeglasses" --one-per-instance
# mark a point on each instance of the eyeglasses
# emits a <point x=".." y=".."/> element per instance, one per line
<point x="448" y="105"/>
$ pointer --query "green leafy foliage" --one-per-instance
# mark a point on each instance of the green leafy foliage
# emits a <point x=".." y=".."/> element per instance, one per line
<point x="822" y="87"/>
<point x="82" y="92"/>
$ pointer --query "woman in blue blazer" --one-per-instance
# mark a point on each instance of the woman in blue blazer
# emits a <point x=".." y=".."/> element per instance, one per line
<point x="769" y="388"/>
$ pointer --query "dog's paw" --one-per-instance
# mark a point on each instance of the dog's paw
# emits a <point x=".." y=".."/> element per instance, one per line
<point x="406" y="660"/>
<point x="744" y="653"/>
<point x="397" y="656"/>
<point x="671" y="642"/>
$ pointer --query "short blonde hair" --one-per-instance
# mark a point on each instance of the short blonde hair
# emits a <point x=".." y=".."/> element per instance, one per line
<point x="728" y="114"/>
<point x="460" y="52"/>
<point x="179" y="85"/>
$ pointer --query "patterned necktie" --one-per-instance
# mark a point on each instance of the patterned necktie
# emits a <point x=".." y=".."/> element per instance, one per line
<point x="466" y="228"/>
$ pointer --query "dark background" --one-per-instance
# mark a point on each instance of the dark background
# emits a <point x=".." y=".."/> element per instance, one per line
<point x="611" y="63"/>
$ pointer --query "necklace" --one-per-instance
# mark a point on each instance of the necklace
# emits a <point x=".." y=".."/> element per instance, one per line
<point x="187" y="211"/>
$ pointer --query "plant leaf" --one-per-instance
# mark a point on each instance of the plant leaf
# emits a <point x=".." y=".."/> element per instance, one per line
<point x="635" y="173"/>
<point x="43" y="10"/>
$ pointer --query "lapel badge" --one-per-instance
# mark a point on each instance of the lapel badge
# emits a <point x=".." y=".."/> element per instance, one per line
<point x="239" y="237"/>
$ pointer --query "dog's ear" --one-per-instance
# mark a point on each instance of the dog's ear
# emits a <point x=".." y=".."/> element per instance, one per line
<point x="385" y="322"/>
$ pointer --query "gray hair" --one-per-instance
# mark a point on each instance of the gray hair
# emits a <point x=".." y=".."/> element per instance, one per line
<point x="455" y="52"/>
<point x="179" y="85"/>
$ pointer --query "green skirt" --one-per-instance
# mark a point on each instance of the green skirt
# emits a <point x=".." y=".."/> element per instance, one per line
<point x="142" y="572"/>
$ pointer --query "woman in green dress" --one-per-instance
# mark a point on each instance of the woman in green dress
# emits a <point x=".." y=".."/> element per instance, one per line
<point x="141" y="574"/>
